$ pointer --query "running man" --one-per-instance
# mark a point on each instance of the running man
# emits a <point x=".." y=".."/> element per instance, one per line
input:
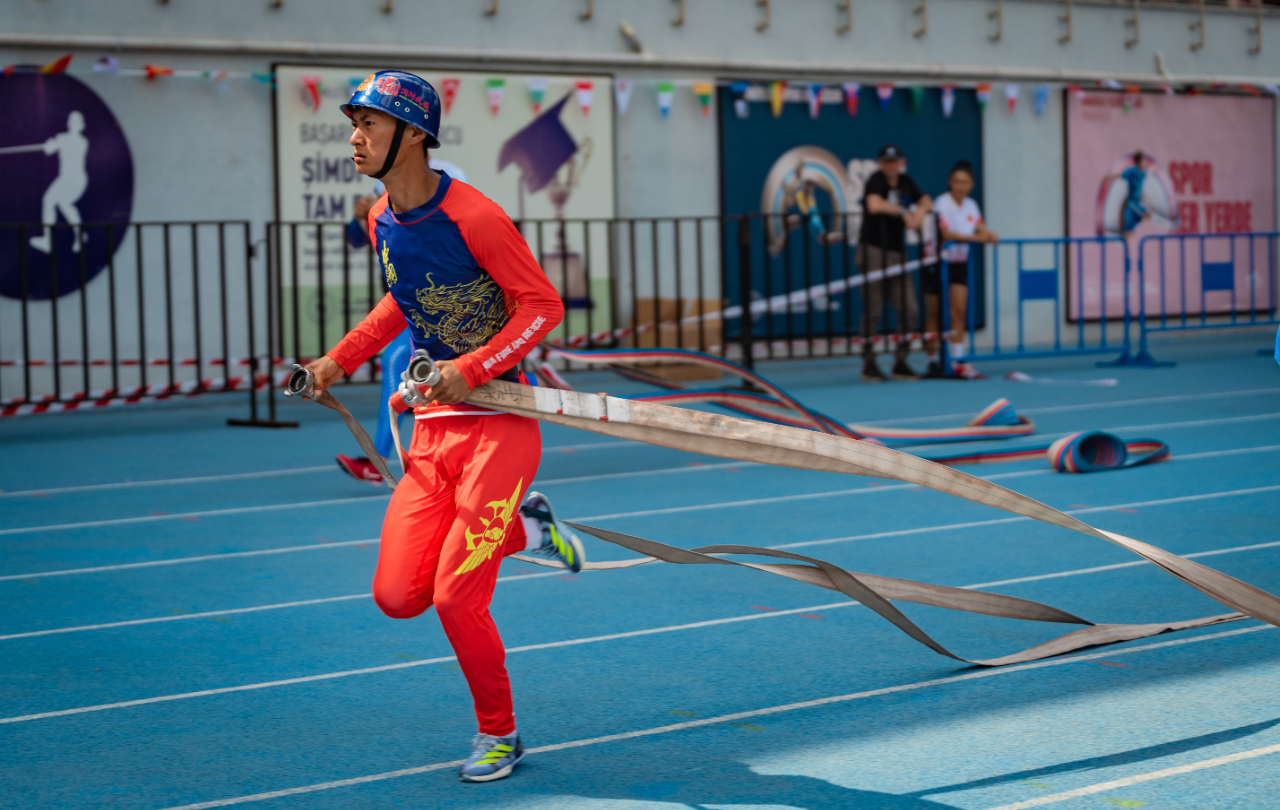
<point x="462" y="280"/>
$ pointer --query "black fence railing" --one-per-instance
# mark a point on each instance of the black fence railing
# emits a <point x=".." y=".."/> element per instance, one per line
<point x="104" y="313"/>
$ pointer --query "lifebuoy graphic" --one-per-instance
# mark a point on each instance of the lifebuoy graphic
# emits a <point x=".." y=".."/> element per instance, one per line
<point x="791" y="192"/>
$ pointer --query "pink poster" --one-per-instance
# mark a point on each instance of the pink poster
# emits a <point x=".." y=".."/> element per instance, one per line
<point x="1145" y="164"/>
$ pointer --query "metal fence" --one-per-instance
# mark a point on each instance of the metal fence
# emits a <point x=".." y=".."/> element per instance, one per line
<point x="105" y="313"/>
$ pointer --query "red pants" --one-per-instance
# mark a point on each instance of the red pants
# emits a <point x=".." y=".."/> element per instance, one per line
<point x="451" y="520"/>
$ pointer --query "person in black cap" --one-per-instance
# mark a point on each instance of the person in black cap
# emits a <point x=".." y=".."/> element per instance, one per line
<point x="891" y="203"/>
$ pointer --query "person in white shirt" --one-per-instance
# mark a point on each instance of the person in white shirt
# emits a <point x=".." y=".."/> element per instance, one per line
<point x="959" y="221"/>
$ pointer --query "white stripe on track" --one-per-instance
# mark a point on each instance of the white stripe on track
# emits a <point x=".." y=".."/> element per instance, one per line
<point x="274" y="507"/>
<point x="993" y="522"/>
<point x="328" y="599"/>
<point x="997" y="521"/>
<point x="724" y="718"/>
<point x="204" y="479"/>
<point x="231" y="611"/>
<point x="181" y="560"/>
<point x="1138" y="779"/>
<point x="1119" y="403"/>
<point x="240" y="510"/>
<point x="572" y="642"/>
<point x="199" y="479"/>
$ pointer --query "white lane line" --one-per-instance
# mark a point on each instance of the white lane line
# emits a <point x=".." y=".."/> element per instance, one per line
<point x="997" y="521"/>
<point x="895" y="533"/>
<point x="181" y="560"/>
<point x="688" y="468"/>
<point x="204" y="479"/>
<point x="183" y="515"/>
<point x="578" y="641"/>
<point x="274" y="507"/>
<point x="326" y="600"/>
<point x="231" y="611"/>
<point x="724" y="718"/>
<point x="1119" y="403"/>
<point x="1137" y="779"/>
<point x="199" y="479"/>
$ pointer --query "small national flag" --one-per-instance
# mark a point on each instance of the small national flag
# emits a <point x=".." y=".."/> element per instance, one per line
<point x="884" y="92"/>
<point x="814" y="92"/>
<point x="1251" y="90"/>
<point x="1011" y="91"/>
<point x="704" y="91"/>
<point x="917" y="99"/>
<point x="154" y="71"/>
<point x="983" y="92"/>
<point x="666" y="94"/>
<point x="1075" y="90"/>
<point x="494" y="88"/>
<point x="216" y="76"/>
<point x="738" y="90"/>
<point x="450" y="88"/>
<point x="622" y="94"/>
<point x="1167" y="88"/>
<point x="948" y="100"/>
<point x="107" y="64"/>
<point x="1110" y="84"/>
<point x="537" y="89"/>
<point x="851" y="97"/>
<point x="1130" y="97"/>
<point x="1272" y="89"/>
<point x="776" y="91"/>
<point x="57" y="66"/>
<point x="1042" y="98"/>
<point x="584" y="88"/>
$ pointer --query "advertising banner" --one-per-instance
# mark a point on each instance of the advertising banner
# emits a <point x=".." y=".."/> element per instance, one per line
<point x="541" y="146"/>
<point x="1145" y="164"/>
<point x="800" y="156"/>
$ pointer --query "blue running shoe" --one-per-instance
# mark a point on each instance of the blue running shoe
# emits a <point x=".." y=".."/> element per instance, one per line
<point x="491" y="758"/>
<point x="558" y="543"/>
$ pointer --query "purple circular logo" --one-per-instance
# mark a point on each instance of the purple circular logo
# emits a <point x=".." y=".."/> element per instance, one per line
<point x="66" y="163"/>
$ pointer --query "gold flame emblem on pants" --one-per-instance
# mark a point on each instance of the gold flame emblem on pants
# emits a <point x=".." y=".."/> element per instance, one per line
<point x="482" y="544"/>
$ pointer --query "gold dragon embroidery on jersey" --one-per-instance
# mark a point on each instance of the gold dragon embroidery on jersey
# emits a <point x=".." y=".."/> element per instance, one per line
<point x="387" y="267"/>
<point x="493" y="534"/>
<point x="466" y="315"/>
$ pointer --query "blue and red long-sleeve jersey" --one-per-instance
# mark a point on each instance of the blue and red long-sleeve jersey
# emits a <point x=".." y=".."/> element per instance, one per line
<point x="463" y="281"/>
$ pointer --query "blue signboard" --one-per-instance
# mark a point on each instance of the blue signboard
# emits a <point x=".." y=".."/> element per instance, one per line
<point x="801" y="176"/>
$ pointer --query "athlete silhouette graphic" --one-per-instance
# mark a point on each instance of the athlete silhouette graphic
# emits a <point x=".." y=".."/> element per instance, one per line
<point x="72" y="149"/>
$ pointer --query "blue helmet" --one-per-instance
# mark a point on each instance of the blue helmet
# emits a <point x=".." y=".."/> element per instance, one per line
<point x="405" y="97"/>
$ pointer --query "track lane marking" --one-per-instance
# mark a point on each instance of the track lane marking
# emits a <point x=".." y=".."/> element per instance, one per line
<point x="605" y="445"/>
<point x="724" y="718"/>
<point x="993" y="522"/>
<point x="1138" y="779"/>
<point x="573" y="642"/>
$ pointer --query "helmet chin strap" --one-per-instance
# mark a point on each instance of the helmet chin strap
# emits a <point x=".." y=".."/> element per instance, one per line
<point x="392" y="152"/>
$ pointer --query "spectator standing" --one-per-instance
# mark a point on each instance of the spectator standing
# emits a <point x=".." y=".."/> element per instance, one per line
<point x="959" y="221"/>
<point x="892" y="202"/>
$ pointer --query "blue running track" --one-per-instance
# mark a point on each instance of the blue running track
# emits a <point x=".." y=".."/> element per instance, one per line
<point x="186" y="619"/>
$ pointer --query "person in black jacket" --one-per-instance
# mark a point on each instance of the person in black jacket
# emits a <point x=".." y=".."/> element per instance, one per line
<point x="891" y="203"/>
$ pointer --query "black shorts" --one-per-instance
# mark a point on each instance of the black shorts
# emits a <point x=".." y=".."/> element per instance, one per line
<point x="957" y="273"/>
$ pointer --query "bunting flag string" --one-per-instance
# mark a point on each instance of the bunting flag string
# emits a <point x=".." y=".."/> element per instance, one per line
<point x="739" y="92"/>
<point x="584" y="89"/>
<point x="537" y="90"/>
<point x="57" y="66"/>
<point x="704" y="91"/>
<point x="448" y="92"/>
<point x="666" y="95"/>
<point x="948" y="100"/>
<point x="851" y="90"/>
<point x="983" y="93"/>
<point x="622" y="95"/>
<point x="884" y="92"/>
<point x="776" y="92"/>
<point x="814" y="95"/>
<point x="494" y="89"/>
<point x="917" y="99"/>
<point x="1011" y="91"/>
<point x="1042" y="98"/>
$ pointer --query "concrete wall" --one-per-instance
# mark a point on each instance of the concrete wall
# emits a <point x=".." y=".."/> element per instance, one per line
<point x="204" y="152"/>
